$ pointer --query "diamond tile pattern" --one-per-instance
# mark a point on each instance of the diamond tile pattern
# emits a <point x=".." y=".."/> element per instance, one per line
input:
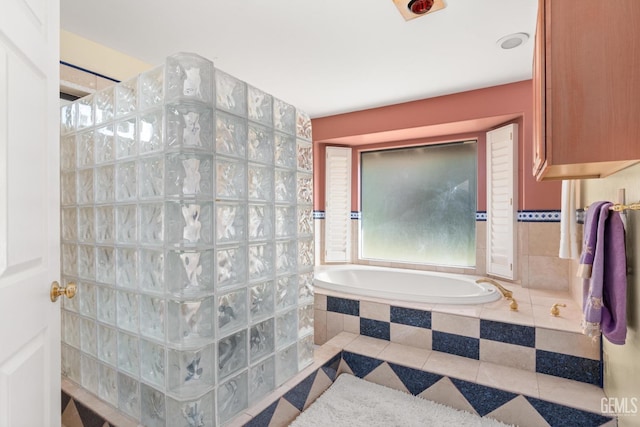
<point x="75" y="414"/>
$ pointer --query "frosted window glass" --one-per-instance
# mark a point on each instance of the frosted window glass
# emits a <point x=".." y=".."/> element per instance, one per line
<point x="419" y="204"/>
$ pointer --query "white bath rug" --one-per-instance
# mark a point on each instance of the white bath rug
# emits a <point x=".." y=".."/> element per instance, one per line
<point x="353" y="402"/>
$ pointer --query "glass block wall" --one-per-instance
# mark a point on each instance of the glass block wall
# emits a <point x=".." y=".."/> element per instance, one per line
<point x="187" y="225"/>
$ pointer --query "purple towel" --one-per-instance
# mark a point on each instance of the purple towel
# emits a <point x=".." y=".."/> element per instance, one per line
<point x="603" y="266"/>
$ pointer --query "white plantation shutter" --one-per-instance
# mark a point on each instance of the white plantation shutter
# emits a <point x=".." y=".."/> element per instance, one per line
<point x="502" y="197"/>
<point x="338" y="205"/>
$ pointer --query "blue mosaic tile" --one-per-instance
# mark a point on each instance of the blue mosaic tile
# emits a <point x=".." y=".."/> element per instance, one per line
<point x="481" y="216"/>
<point x="411" y="317"/>
<point x="567" y="366"/>
<point x="331" y="367"/>
<point x="539" y="216"/>
<point x="415" y="380"/>
<point x="563" y="416"/>
<point x="298" y="395"/>
<point x="360" y="365"/>
<point x="456" y="344"/>
<point x="508" y="333"/>
<point x="375" y="329"/>
<point x="483" y="399"/>
<point x="355" y="215"/>
<point x="264" y="417"/>
<point x="318" y="214"/>
<point x="343" y="305"/>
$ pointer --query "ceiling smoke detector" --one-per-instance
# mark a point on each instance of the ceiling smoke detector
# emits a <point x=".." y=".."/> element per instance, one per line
<point x="411" y="9"/>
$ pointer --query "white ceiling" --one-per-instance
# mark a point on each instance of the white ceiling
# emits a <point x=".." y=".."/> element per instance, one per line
<point x="323" y="56"/>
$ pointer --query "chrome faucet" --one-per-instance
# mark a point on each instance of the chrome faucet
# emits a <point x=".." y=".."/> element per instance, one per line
<point x="506" y="293"/>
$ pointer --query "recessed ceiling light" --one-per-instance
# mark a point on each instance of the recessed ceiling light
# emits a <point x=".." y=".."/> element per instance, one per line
<point x="512" y="40"/>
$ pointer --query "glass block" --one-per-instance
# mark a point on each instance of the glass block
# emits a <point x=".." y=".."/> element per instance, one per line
<point x="126" y="224"/>
<point x="104" y="105"/>
<point x="286" y="221"/>
<point x="87" y="294"/>
<point x="105" y="264"/>
<point x="286" y="364"/>
<point x="191" y="372"/>
<point x="108" y="384"/>
<point x="127" y="310"/>
<point x="190" y="272"/>
<point x="286" y="328"/>
<point x="152" y="363"/>
<point x="105" y="224"/>
<point x="232" y="354"/>
<point x="303" y="125"/>
<point x="261" y="301"/>
<point x="286" y="257"/>
<point x="284" y="117"/>
<point x="233" y="397"/>
<point x="231" y="135"/>
<point x="262" y="379"/>
<point x="231" y="265"/>
<point x="126" y="188"/>
<point x="260" y="106"/>
<point x="305" y="189"/>
<point x="286" y="292"/>
<point x="231" y="179"/>
<point x="305" y="288"/>
<point x="285" y="150"/>
<point x="189" y="223"/>
<point x="189" y="76"/>
<point x="189" y="126"/>
<point x="88" y="340"/>
<point x="69" y="259"/>
<point x="261" y="261"/>
<point x="151" y="173"/>
<point x="85" y="186"/>
<point x="150" y="132"/>
<point x="189" y="175"/>
<point x="86" y="262"/>
<point x="191" y="412"/>
<point x="71" y="365"/>
<point x="107" y="305"/>
<point x="261" y="340"/>
<point x="126" y="94"/>
<point x="128" y="355"/>
<point x="190" y="323"/>
<point x="107" y="345"/>
<point x="151" y="88"/>
<point x="153" y="407"/>
<point x="68" y="118"/>
<point x="126" y="263"/>
<point x="151" y="226"/>
<point x="260" y="183"/>
<point x="230" y="222"/>
<point x="85" y="146"/>
<point x="68" y="152"/>
<point x="305" y="221"/>
<point x="260" y="144"/>
<point x="151" y="270"/>
<point x="232" y="311"/>
<point x="152" y="317"/>
<point x="305" y="254"/>
<point x="129" y="395"/>
<point x="89" y="373"/>
<point x="105" y="184"/>
<point x="285" y="186"/>
<point x="305" y="352"/>
<point x="86" y="225"/>
<point x="126" y="139"/>
<point x="72" y="329"/>
<point x="305" y="320"/>
<point x="104" y="144"/>
<point x="85" y="112"/>
<point x="67" y="188"/>
<point x="305" y="156"/>
<point x="231" y="93"/>
<point x="260" y="222"/>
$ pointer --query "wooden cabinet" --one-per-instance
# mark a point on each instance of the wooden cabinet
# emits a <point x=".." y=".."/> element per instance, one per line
<point x="586" y="78"/>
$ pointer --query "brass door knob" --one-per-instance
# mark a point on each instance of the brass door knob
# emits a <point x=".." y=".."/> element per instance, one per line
<point x="68" y="291"/>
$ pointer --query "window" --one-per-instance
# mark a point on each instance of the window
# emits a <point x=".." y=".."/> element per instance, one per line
<point x="419" y="204"/>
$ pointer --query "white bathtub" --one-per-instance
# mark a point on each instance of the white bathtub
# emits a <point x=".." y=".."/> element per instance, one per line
<point x="405" y="285"/>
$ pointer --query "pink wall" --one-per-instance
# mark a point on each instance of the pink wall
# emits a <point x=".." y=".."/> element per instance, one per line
<point x="466" y="115"/>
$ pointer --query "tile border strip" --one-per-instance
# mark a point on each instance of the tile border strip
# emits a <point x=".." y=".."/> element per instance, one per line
<point x="523" y="216"/>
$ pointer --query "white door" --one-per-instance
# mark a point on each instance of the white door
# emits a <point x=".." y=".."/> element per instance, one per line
<point x="29" y="213"/>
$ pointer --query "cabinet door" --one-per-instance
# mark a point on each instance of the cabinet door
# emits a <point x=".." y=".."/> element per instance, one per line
<point x="539" y="85"/>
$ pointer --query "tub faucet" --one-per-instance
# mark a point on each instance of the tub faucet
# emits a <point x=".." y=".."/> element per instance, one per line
<point x="506" y="293"/>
